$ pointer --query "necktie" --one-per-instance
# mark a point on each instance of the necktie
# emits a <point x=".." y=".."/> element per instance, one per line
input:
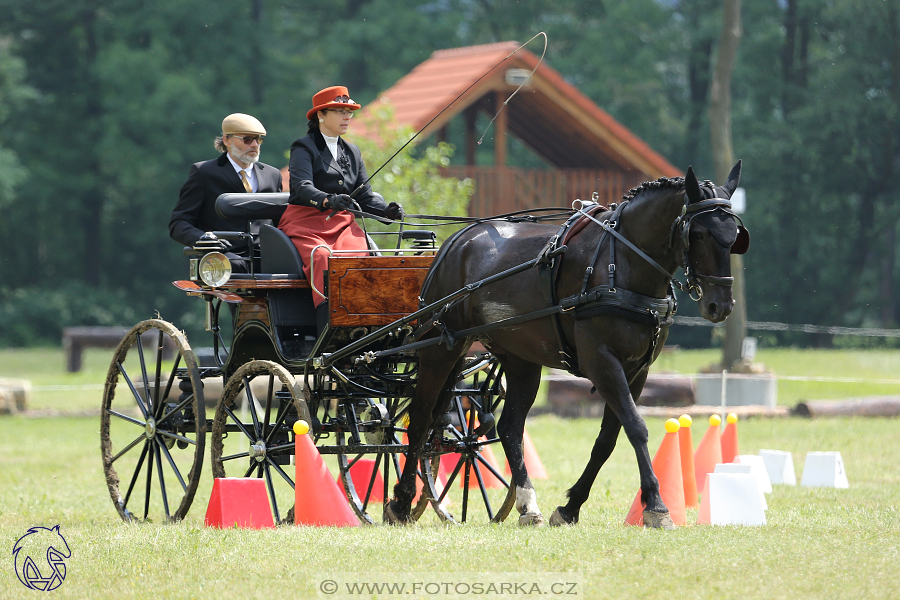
<point x="246" y="181"/>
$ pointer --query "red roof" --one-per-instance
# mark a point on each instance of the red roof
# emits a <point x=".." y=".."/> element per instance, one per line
<point x="548" y="114"/>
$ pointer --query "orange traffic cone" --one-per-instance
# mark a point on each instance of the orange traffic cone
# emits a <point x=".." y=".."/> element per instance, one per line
<point x="667" y="468"/>
<point x="239" y="502"/>
<point x="533" y="463"/>
<point x="730" y="451"/>
<point x="361" y="474"/>
<point x="686" y="446"/>
<point x="709" y="452"/>
<point x="318" y="499"/>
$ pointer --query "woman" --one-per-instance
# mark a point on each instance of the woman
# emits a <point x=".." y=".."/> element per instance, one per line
<point x="325" y="169"/>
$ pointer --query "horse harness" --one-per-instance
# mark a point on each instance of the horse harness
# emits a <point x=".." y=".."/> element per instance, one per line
<point x="657" y="312"/>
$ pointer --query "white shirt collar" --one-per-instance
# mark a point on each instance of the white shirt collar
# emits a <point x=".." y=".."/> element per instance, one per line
<point x="238" y="168"/>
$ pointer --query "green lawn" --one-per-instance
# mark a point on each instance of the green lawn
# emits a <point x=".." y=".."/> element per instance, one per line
<point x="818" y="543"/>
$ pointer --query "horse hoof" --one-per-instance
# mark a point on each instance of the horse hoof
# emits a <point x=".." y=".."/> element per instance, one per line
<point x="536" y="520"/>
<point x="658" y="520"/>
<point x="391" y="518"/>
<point x="557" y="519"/>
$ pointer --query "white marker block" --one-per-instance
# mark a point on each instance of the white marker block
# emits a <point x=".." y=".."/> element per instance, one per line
<point x="731" y="499"/>
<point x="779" y="466"/>
<point x="759" y="469"/>
<point x="745" y="470"/>
<point x="824" y="469"/>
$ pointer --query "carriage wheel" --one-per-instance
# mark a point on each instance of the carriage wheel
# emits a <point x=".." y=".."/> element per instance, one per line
<point x="470" y="477"/>
<point x="148" y="433"/>
<point x="369" y="458"/>
<point x="251" y="431"/>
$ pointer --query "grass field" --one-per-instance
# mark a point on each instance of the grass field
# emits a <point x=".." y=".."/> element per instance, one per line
<point x="818" y="543"/>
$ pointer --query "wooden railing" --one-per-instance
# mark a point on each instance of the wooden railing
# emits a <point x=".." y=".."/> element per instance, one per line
<point x="500" y="190"/>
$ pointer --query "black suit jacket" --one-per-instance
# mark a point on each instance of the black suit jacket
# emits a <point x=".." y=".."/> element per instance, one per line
<point x="316" y="174"/>
<point x="195" y="212"/>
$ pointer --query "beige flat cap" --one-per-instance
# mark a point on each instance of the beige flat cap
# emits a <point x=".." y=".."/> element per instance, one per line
<point x="239" y="123"/>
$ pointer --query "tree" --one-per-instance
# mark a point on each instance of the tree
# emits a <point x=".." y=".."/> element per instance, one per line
<point x="723" y="159"/>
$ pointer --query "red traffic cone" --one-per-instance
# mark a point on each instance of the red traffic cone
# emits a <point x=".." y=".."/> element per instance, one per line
<point x="361" y="474"/>
<point x="239" y="502"/>
<point x="318" y="499"/>
<point x="686" y="446"/>
<point x="667" y="468"/>
<point x="709" y="452"/>
<point x="730" y="451"/>
<point x="533" y="463"/>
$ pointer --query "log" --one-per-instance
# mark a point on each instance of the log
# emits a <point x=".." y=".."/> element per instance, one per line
<point x="570" y="396"/>
<point x="875" y="406"/>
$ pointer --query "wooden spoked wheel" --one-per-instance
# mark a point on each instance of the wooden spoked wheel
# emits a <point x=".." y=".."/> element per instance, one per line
<point x="471" y="477"/>
<point x="252" y="430"/>
<point x="153" y="424"/>
<point x="369" y="457"/>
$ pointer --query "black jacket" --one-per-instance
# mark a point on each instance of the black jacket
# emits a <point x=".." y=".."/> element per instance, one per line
<point x="195" y="212"/>
<point x="316" y="174"/>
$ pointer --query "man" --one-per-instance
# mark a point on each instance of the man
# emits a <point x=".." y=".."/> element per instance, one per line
<point x="237" y="170"/>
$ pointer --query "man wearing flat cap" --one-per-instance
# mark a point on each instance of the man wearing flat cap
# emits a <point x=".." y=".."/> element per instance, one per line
<point x="237" y="170"/>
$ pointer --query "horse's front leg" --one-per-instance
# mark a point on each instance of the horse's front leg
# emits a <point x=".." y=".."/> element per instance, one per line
<point x="606" y="373"/>
<point x="523" y="379"/>
<point x="578" y="493"/>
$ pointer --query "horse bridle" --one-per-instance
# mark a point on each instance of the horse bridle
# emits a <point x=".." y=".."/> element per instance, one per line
<point x="689" y="212"/>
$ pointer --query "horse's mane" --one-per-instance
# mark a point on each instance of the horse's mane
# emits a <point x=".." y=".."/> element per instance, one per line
<point x="663" y="183"/>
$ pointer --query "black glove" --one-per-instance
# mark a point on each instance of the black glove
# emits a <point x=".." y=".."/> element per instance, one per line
<point x="340" y="202"/>
<point x="394" y="211"/>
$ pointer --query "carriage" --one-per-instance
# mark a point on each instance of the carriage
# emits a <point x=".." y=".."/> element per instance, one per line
<point x="268" y="367"/>
<point x="397" y="379"/>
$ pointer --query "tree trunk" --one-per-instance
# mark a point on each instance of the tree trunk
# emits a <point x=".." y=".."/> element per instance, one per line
<point x="723" y="159"/>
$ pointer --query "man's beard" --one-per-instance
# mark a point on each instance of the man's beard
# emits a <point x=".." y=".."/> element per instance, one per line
<point x="244" y="157"/>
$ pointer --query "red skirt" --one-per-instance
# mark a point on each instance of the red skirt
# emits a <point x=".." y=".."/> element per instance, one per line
<point x="307" y="228"/>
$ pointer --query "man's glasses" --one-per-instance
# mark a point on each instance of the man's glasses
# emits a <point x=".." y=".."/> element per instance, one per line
<point x="249" y="139"/>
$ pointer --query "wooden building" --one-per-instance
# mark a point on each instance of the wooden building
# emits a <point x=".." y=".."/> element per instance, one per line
<point x="586" y="148"/>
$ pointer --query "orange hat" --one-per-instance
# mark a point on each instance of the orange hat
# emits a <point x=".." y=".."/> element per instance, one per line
<point x="335" y="96"/>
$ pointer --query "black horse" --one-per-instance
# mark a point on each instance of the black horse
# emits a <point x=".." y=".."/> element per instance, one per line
<point x="612" y="282"/>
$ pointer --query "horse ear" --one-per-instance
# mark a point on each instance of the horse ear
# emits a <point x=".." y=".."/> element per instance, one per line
<point x="733" y="179"/>
<point x="692" y="187"/>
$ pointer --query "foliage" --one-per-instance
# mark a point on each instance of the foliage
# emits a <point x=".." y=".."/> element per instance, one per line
<point x="413" y="181"/>
<point x="105" y="105"/>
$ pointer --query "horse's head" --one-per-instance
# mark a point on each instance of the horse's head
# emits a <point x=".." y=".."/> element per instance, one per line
<point x="710" y="233"/>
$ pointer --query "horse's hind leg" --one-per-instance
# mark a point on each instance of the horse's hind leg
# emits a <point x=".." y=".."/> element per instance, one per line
<point x="522" y="381"/>
<point x="436" y="364"/>
<point x="578" y="493"/>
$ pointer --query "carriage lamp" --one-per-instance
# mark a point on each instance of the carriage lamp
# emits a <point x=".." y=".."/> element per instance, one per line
<point x="214" y="269"/>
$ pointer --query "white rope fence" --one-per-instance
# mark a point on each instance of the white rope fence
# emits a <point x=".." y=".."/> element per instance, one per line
<point x="771" y="326"/>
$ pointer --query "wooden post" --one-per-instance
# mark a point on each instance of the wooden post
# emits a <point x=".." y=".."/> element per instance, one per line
<point x="500" y="127"/>
<point x="471" y="143"/>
